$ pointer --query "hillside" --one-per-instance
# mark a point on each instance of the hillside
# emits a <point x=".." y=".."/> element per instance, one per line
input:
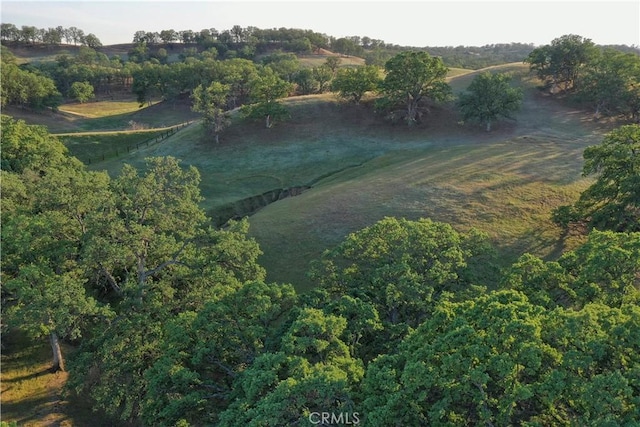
<point x="361" y="168"/>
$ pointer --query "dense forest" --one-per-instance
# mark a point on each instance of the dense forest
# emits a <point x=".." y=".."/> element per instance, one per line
<point x="409" y="322"/>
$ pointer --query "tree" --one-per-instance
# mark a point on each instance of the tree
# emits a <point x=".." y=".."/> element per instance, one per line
<point x="323" y="75"/>
<point x="266" y="89"/>
<point x="75" y="35"/>
<point x="312" y="372"/>
<point x="210" y="102"/>
<point x="81" y="91"/>
<point x="285" y="65"/>
<point x="305" y="81"/>
<point x="603" y="270"/>
<point x="9" y="32"/>
<point x="92" y="41"/>
<point x="412" y="77"/>
<point x="559" y="63"/>
<point x="44" y="276"/>
<point x="353" y="83"/>
<point x="27" y="89"/>
<point x="333" y="62"/>
<point x="610" y="82"/>
<point x="613" y="201"/>
<point x="488" y="97"/>
<point x="152" y="253"/>
<point x="499" y="360"/>
<point x="47" y="200"/>
<point x="168" y="36"/>
<point x="27" y="147"/>
<point x="401" y="267"/>
<point x="204" y="352"/>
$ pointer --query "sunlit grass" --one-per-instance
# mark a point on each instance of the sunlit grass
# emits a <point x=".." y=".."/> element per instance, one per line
<point x="101" y="108"/>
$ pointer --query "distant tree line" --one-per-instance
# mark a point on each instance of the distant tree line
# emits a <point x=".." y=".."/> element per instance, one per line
<point x="603" y="78"/>
<point x="30" y="35"/>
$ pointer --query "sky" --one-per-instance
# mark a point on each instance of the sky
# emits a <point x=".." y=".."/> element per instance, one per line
<point x="416" y="23"/>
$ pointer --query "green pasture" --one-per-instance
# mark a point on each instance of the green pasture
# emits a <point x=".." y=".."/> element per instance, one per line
<point x="96" y="147"/>
<point x="361" y="169"/>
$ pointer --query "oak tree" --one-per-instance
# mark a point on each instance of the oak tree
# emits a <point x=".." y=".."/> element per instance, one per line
<point x="411" y="78"/>
<point x="489" y="97"/>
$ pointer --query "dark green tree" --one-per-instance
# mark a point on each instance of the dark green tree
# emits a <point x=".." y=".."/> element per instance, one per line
<point x="81" y="91"/>
<point x="266" y="90"/>
<point x="497" y="359"/>
<point x="613" y="201"/>
<point x="352" y="83"/>
<point x="312" y="372"/>
<point x="211" y="102"/>
<point x="610" y="83"/>
<point x="559" y="63"/>
<point x="489" y="97"/>
<point x="602" y="270"/>
<point x="411" y="78"/>
<point x="401" y="267"/>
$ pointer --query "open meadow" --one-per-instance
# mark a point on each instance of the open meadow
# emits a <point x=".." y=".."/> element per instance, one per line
<point x="351" y="168"/>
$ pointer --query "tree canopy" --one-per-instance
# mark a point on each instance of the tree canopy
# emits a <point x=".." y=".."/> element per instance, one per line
<point x="613" y="201"/>
<point x="412" y="77"/>
<point x="489" y="97"/>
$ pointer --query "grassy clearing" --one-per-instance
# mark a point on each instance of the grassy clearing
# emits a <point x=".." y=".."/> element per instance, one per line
<point x="506" y="189"/>
<point x="505" y="182"/>
<point x="96" y="147"/>
<point x="32" y="395"/>
<point x="108" y="116"/>
<point x="101" y="108"/>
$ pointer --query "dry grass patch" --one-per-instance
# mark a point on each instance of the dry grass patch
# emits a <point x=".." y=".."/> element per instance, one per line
<point x="100" y="108"/>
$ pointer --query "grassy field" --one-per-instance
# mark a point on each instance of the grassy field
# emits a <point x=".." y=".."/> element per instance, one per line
<point x="100" y="116"/>
<point x="361" y="169"/>
<point x="92" y="147"/>
<point x="101" y="108"/>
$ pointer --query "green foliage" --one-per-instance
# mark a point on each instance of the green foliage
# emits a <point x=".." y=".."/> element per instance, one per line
<point x="266" y="89"/>
<point x="411" y="77"/>
<point x="559" y="64"/>
<point x="399" y="266"/>
<point x="603" y="270"/>
<point x="30" y="147"/>
<point x="45" y="223"/>
<point x="610" y="82"/>
<point x="613" y="201"/>
<point x="352" y="83"/>
<point x="210" y="102"/>
<point x="203" y="352"/>
<point x="153" y="253"/>
<point x="27" y="89"/>
<point x="81" y="91"/>
<point x="312" y="372"/>
<point x="488" y="97"/>
<point x="499" y="360"/>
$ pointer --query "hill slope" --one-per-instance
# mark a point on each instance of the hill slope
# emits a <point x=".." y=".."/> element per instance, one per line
<point x="505" y="182"/>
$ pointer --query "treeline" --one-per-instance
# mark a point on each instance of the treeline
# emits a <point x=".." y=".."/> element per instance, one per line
<point x="30" y="35"/>
<point x="606" y="79"/>
<point x="603" y="78"/>
<point x="408" y="322"/>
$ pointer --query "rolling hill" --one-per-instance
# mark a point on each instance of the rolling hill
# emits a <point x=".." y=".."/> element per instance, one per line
<point x="349" y="168"/>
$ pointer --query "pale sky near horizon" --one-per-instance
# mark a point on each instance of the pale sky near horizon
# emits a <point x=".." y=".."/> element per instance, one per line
<point x="415" y="23"/>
